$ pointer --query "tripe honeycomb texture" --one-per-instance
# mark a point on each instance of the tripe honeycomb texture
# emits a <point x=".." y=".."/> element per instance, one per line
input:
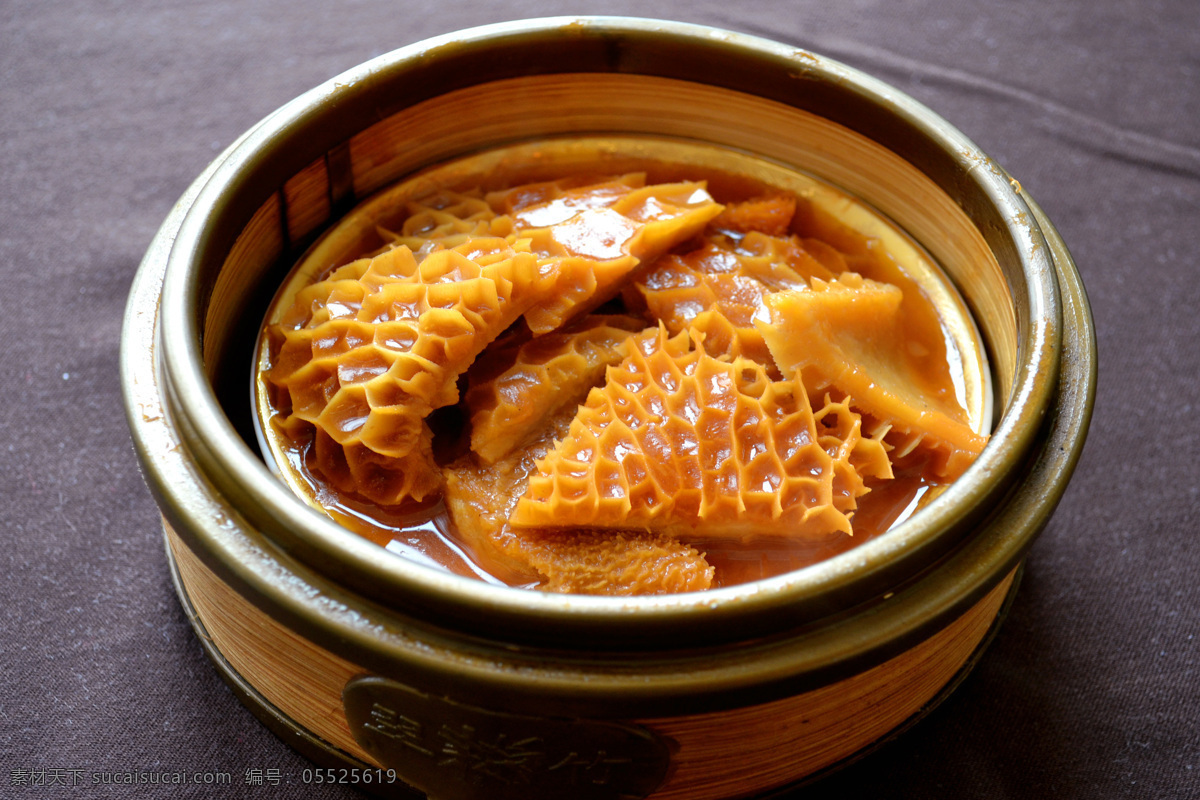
<point x="481" y="498"/>
<point x="366" y="354"/>
<point x="593" y="236"/>
<point x="719" y="289"/>
<point x="681" y="442"/>
<point x="771" y="215"/>
<point x="446" y="219"/>
<point x="590" y="235"/>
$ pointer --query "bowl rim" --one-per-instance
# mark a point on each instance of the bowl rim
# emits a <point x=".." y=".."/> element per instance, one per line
<point x="832" y="586"/>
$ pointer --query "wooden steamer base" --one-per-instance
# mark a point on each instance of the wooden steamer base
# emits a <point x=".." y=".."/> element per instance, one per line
<point x="788" y="678"/>
<point x="295" y="688"/>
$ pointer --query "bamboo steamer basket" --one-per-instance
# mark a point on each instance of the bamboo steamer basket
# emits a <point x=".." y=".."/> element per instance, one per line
<point x="431" y="683"/>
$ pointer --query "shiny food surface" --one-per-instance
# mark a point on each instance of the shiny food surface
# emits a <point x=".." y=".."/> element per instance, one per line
<point x="770" y="388"/>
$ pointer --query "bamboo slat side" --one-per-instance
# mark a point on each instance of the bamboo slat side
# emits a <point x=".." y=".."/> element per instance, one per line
<point x="778" y="743"/>
<point x="307" y="197"/>
<point x="258" y="246"/>
<point x="723" y="754"/>
<point x="302" y="680"/>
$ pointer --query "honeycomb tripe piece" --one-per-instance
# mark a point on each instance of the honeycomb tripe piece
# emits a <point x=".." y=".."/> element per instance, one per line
<point x="445" y="219"/>
<point x="546" y="203"/>
<point x="727" y="341"/>
<point x="480" y="498"/>
<point x="592" y="236"/>
<point x="771" y="214"/>
<point x="719" y="288"/>
<point x="778" y="260"/>
<point x="856" y="455"/>
<point x="920" y="326"/>
<point x="355" y="469"/>
<point x="511" y="394"/>
<point x="824" y="254"/>
<point x="681" y="442"/>
<point x="366" y="354"/>
<point x="843" y="337"/>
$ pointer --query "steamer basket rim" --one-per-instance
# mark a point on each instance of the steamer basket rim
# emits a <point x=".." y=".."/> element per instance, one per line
<point x="231" y="466"/>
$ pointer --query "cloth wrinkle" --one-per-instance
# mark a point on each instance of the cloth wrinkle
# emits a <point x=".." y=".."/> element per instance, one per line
<point x="1098" y="136"/>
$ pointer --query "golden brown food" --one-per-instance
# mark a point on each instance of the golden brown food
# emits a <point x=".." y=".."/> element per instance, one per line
<point x="762" y="389"/>
<point x="719" y="289"/>
<point x="592" y="236"/>
<point x="842" y="336"/>
<point x="681" y="442"/>
<point x="367" y="354"/>
<point x="508" y="401"/>
<point x="615" y="562"/>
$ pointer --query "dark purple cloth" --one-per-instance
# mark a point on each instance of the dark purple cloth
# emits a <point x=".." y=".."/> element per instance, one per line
<point x="109" y="109"/>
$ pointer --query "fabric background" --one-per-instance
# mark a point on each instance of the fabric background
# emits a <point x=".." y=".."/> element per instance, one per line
<point x="109" y="109"/>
